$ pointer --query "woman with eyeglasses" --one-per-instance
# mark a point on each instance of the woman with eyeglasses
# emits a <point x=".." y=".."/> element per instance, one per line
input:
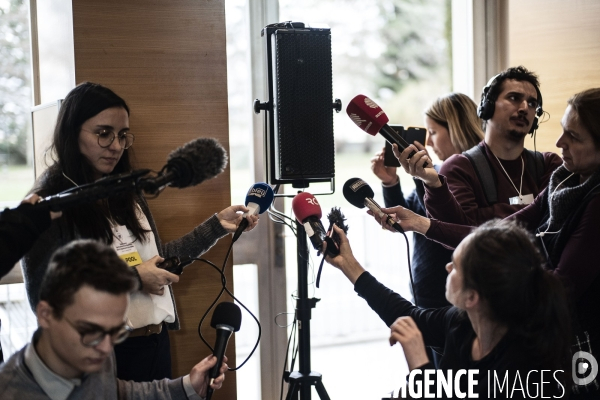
<point x="92" y="140"/>
<point x="564" y="218"/>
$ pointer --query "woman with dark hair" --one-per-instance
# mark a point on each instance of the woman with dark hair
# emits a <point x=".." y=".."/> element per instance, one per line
<point x="92" y="140"/>
<point x="452" y="127"/>
<point x="508" y="317"/>
<point x="565" y="219"/>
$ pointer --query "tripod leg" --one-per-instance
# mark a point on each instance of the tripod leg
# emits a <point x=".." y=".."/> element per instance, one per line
<point x="321" y="390"/>
<point x="292" y="393"/>
<point x="305" y="390"/>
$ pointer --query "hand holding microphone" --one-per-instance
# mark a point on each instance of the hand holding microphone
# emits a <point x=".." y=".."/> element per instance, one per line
<point x="258" y="200"/>
<point x="308" y="213"/>
<point x="226" y="319"/>
<point x="369" y="117"/>
<point x="359" y="194"/>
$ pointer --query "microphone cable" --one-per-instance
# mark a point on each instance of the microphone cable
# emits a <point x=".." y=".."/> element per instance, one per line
<point x="224" y="288"/>
<point x="412" y="283"/>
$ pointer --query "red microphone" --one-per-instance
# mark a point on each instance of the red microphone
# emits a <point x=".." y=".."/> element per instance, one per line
<point x="369" y="117"/>
<point x="308" y="213"/>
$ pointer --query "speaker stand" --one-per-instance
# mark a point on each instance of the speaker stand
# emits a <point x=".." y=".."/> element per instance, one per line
<point x="300" y="383"/>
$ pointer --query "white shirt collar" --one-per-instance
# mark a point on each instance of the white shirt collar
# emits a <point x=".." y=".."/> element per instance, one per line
<point x="55" y="386"/>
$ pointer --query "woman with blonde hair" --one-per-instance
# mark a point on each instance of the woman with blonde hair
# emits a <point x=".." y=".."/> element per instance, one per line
<point x="452" y="127"/>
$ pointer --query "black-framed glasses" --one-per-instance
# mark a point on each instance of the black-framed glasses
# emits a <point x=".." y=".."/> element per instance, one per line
<point x="92" y="337"/>
<point x="107" y="137"/>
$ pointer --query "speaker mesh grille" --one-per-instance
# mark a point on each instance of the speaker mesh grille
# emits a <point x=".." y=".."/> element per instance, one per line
<point x="305" y="145"/>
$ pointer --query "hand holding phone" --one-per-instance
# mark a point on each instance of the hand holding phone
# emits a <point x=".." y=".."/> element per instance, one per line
<point x="409" y="135"/>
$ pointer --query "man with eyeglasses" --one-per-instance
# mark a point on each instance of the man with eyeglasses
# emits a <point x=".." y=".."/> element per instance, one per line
<point x="81" y="315"/>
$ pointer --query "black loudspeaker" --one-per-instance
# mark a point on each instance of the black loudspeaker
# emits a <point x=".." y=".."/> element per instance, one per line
<point x="299" y="142"/>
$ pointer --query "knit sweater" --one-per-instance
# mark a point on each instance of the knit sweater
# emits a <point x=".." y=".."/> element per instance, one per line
<point x="194" y="243"/>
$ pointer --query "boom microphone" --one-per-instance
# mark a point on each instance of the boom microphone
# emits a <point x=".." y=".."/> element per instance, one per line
<point x="258" y="200"/>
<point x="369" y="117"/>
<point x="226" y="319"/>
<point x="359" y="194"/>
<point x="189" y="165"/>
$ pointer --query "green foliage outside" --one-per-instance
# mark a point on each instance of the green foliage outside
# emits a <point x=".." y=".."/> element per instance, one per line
<point x="15" y="86"/>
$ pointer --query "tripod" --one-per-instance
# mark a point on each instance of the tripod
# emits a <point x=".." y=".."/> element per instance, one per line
<point x="300" y="382"/>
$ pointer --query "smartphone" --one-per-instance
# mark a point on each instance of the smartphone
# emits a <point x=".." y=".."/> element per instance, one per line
<point x="409" y="134"/>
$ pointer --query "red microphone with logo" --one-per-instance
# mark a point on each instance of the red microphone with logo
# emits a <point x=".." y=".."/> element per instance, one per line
<point x="308" y="213"/>
<point x="369" y="117"/>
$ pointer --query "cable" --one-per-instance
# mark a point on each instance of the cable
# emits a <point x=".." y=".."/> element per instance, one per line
<point x="225" y="289"/>
<point x="412" y="283"/>
<point x="287" y="351"/>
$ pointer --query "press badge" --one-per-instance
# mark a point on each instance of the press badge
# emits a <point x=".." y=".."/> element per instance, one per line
<point x="525" y="199"/>
<point x="123" y="245"/>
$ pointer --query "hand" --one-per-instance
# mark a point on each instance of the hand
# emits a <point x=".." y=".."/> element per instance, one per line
<point x="408" y="220"/>
<point x="344" y="261"/>
<point x="199" y="375"/>
<point x="154" y="279"/>
<point x="405" y="332"/>
<point x="34" y="198"/>
<point x="414" y="165"/>
<point x="231" y="217"/>
<point x="387" y="175"/>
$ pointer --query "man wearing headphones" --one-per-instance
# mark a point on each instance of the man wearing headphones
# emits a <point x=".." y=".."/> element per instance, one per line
<point x="498" y="176"/>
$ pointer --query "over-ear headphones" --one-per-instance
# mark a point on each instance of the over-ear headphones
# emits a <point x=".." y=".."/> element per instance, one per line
<point x="487" y="106"/>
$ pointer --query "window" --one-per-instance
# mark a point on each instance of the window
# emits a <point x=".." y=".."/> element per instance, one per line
<point x="16" y="158"/>
<point x="399" y="54"/>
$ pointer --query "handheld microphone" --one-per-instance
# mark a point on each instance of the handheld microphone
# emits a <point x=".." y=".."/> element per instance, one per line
<point x="359" y="194"/>
<point x="258" y="200"/>
<point x="369" y="117"/>
<point x="226" y="319"/>
<point x="189" y="165"/>
<point x="308" y="213"/>
<point x="175" y="265"/>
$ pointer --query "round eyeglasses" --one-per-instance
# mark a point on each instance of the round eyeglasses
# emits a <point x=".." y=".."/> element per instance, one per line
<point x="93" y="336"/>
<point x="107" y="137"/>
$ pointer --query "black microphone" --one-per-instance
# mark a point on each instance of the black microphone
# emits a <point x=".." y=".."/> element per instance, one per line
<point x="189" y="165"/>
<point x="175" y="265"/>
<point x="359" y="194"/>
<point x="226" y="319"/>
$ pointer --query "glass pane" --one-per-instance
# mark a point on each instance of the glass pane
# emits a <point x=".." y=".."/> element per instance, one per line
<point x="398" y="54"/>
<point x="16" y="155"/>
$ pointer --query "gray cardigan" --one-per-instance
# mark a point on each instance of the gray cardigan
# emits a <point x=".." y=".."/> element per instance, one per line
<point x="17" y="382"/>
<point x="193" y="244"/>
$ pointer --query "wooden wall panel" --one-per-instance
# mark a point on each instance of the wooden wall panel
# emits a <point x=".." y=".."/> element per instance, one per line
<point x="560" y="41"/>
<point x="167" y="59"/>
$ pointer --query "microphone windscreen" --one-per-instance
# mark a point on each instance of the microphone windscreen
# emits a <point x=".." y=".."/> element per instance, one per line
<point x="260" y="193"/>
<point x="356" y="191"/>
<point x="197" y="161"/>
<point x="306" y="205"/>
<point x="366" y="114"/>
<point x="227" y="313"/>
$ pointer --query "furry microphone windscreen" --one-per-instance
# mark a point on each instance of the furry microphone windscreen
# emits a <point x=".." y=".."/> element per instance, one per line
<point x="197" y="161"/>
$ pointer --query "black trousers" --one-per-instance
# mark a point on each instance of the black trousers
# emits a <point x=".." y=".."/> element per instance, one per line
<point x="144" y="358"/>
